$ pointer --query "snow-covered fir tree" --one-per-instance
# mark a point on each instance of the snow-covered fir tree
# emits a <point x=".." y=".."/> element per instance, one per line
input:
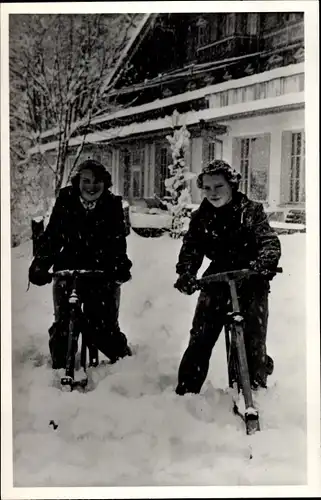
<point x="177" y="184"/>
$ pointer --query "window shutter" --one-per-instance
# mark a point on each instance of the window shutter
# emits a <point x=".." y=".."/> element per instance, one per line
<point x="236" y="153"/>
<point x="285" y="167"/>
<point x="125" y="172"/>
<point x="259" y="167"/>
<point x="205" y="150"/>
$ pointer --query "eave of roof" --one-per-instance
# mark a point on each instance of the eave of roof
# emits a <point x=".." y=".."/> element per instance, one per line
<point x="191" y="95"/>
<point x="131" y="48"/>
<point x="212" y="115"/>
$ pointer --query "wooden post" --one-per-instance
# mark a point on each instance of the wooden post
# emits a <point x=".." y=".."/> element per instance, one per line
<point x="126" y="218"/>
<point x="37" y="228"/>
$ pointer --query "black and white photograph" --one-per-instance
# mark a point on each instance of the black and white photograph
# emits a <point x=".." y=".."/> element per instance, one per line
<point x="158" y="328"/>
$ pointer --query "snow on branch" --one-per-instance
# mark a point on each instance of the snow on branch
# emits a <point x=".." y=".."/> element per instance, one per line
<point x="58" y="64"/>
<point x="177" y="184"/>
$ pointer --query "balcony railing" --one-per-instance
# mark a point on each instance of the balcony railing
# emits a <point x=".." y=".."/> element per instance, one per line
<point x="230" y="46"/>
<point x="256" y="91"/>
<point x="284" y="36"/>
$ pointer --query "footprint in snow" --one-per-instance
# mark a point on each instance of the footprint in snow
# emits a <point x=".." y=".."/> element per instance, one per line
<point x="146" y="306"/>
<point x="213" y="406"/>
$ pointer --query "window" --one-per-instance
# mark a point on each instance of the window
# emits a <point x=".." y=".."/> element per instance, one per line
<point x="230" y="25"/>
<point x="297" y="168"/>
<point x="293" y="17"/>
<point x="245" y="158"/>
<point x="215" y="150"/>
<point x="106" y="158"/>
<point x="202" y="32"/>
<point x="125" y="168"/>
<point x="202" y="38"/>
<point x="251" y="28"/>
<point x="213" y="28"/>
<point x="137" y="167"/>
<point x="137" y="182"/>
<point x="271" y="20"/>
<point x="132" y="171"/>
<point x="212" y="148"/>
<point x="252" y="154"/>
<point x="165" y="160"/>
<point x="137" y="156"/>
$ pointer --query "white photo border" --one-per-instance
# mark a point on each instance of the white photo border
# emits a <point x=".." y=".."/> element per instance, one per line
<point x="310" y="8"/>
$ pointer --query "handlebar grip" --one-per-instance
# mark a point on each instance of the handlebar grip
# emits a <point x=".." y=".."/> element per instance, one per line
<point x="229" y="275"/>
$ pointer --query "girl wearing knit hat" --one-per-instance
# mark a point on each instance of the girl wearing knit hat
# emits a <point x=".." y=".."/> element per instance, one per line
<point x="86" y="230"/>
<point x="233" y="232"/>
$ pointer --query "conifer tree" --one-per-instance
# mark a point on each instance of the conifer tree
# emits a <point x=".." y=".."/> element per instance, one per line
<point x="177" y="184"/>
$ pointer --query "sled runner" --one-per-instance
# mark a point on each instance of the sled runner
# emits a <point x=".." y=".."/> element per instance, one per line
<point x="75" y="313"/>
<point x="238" y="373"/>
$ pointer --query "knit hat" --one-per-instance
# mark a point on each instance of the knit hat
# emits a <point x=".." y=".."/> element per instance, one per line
<point x="98" y="169"/>
<point x="217" y="167"/>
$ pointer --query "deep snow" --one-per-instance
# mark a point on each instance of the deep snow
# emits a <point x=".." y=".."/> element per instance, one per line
<point x="132" y="429"/>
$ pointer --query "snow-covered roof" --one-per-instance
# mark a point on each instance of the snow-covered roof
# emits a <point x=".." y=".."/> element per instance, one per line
<point x="192" y="95"/>
<point x="189" y="118"/>
<point x="131" y="47"/>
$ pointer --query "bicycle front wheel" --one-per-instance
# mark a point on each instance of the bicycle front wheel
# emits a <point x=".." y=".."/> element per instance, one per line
<point x="232" y="363"/>
<point x="73" y="335"/>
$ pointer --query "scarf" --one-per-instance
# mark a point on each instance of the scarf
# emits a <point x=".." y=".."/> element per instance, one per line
<point x="88" y="205"/>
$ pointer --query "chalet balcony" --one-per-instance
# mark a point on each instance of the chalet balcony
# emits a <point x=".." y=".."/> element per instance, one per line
<point x="258" y="88"/>
<point x="234" y="45"/>
<point x="290" y="35"/>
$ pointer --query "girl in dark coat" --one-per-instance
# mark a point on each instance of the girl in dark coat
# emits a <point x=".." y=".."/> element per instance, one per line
<point x="233" y="233"/>
<point x="86" y="230"/>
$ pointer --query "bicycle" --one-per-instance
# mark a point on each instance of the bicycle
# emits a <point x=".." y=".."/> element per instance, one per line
<point x="75" y="314"/>
<point x="237" y="365"/>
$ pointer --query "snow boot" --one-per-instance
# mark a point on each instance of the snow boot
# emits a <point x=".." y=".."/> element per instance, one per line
<point x="269" y="365"/>
<point x="126" y="352"/>
<point x="182" y="389"/>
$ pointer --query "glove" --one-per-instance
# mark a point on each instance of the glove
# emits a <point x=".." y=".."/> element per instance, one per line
<point x="186" y="283"/>
<point x="262" y="270"/>
<point x="122" y="276"/>
<point x="39" y="276"/>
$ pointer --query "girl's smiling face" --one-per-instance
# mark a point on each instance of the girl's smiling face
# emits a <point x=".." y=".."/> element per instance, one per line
<point x="217" y="190"/>
<point x="90" y="187"/>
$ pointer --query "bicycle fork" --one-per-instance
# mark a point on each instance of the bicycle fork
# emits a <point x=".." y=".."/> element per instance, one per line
<point x="73" y="336"/>
<point x="238" y="368"/>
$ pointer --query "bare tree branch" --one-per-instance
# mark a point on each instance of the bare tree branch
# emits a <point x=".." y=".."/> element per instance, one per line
<point x="58" y="65"/>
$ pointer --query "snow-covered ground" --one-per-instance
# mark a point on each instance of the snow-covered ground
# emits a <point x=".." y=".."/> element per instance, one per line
<point x="132" y="429"/>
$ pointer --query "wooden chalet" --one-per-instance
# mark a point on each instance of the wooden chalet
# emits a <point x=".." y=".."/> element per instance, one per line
<point x="236" y="80"/>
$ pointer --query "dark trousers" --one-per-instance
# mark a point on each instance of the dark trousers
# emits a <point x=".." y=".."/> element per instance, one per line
<point x="99" y="322"/>
<point x="209" y="318"/>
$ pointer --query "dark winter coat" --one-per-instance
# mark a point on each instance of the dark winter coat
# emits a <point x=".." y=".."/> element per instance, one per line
<point x="230" y="237"/>
<point x="76" y="238"/>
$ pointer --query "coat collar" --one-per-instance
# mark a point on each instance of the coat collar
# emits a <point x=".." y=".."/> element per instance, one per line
<point x="239" y="203"/>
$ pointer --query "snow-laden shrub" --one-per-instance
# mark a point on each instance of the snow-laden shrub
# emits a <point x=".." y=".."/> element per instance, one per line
<point x="32" y="195"/>
<point x="177" y="184"/>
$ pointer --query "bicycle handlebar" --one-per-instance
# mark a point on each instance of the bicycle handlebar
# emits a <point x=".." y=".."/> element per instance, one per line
<point x="76" y="272"/>
<point x="230" y="275"/>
